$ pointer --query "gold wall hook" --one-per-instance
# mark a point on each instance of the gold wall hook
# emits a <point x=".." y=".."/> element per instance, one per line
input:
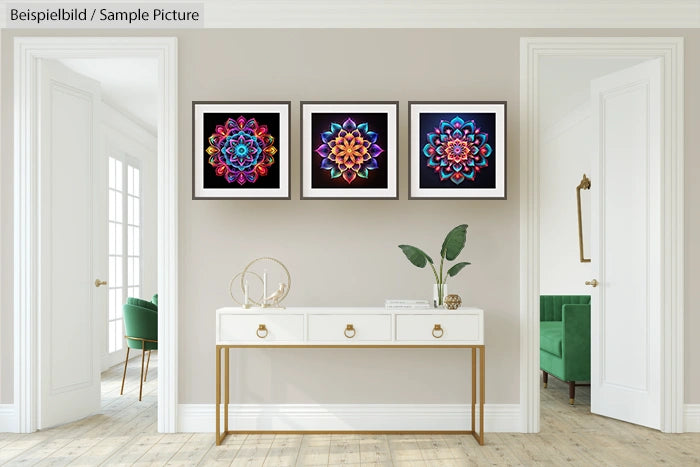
<point x="99" y="282"/>
<point x="584" y="185"/>
<point x="592" y="283"/>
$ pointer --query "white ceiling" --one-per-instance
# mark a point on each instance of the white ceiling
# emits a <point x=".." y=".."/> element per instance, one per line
<point x="128" y="84"/>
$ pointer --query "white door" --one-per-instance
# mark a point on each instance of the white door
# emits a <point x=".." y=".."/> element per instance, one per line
<point x="73" y="245"/>
<point x="626" y="245"/>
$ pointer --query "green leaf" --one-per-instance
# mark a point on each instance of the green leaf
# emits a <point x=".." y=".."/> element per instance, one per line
<point x="456" y="268"/>
<point x="454" y="242"/>
<point x="416" y="256"/>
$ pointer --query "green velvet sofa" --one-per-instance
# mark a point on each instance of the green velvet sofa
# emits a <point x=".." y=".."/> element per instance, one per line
<point x="565" y="339"/>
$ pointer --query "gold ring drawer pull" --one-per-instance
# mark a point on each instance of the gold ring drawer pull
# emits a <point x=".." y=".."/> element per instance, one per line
<point x="261" y="329"/>
<point x="349" y="328"/>
<point x="438" y="329"/>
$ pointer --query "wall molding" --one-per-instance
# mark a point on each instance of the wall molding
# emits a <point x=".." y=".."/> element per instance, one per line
<point x="8" y="418"/>
<point x="691" y="418"/>
<point x="27" y="265"/>
<point x="455" y="14"/>
<point x="670" y="51"/>
<point x="201" y="417"/>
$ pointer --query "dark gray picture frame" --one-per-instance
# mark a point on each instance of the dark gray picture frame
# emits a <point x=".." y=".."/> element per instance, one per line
<point x="284" y="192"/>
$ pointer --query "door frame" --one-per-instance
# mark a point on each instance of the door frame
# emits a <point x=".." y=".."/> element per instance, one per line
<point x="27" y="260"/>
<point x="670" y="51"/>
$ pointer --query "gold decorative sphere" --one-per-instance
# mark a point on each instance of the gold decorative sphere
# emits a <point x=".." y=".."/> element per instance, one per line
<point x="453" y="301"/>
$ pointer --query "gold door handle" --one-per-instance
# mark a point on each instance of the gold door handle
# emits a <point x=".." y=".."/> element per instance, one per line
<point x="584" y="185"/>
<point x="261" y="328"/>
<point x="349" y="328"/>
<point x="438" y="328"/>
<point x="99" y="282"/>
<point x="592" y="283"/>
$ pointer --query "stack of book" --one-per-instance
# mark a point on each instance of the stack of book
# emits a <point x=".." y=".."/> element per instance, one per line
<point x="407" y="304"/>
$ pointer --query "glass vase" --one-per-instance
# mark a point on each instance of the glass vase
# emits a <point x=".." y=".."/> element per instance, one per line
<point x="439" y="294"/>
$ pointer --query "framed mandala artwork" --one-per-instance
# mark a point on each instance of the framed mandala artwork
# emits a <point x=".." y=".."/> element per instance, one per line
<point x="240" y="150"/>
<point x="457" y="150"/>
<point x="349" y="150"/>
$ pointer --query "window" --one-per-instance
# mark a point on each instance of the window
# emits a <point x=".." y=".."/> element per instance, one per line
<point x="124" y="245"/>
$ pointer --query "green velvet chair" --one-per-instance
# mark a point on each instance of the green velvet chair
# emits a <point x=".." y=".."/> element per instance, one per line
<point x="142" y="303"/>
<point x="565" y="339"/>
<point x="141" y="327"/>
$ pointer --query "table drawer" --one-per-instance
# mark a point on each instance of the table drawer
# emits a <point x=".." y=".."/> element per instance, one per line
<point x="349" y="328"/>
<point x="439" y="328"/>
<point x="261" y="329"/>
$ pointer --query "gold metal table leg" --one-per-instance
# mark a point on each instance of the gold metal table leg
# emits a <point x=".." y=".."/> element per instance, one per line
<point x="473" y="388"/>
<point x="479" y="436"/>
<point x="482" y="392"/>
<point x="218" y="395"/>
<point x="226" y="389"/>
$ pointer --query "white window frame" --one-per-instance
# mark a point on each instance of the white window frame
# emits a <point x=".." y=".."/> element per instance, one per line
<point x="126" y="161"/>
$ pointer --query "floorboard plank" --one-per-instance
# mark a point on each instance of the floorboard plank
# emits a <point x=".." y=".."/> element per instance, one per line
<point x="124" y="432"/>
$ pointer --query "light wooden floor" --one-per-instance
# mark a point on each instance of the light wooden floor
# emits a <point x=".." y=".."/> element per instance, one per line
<point x="125" y="433"/>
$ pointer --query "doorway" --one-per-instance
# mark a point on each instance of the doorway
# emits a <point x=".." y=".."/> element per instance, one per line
<point x="582" y="101"/>
<point x="127" y="160"/>
<point x="618" y="53"/>
<point x="31" y="54"/>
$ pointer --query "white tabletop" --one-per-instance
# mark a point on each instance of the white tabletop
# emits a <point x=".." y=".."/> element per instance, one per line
<point x="349" y="310"/>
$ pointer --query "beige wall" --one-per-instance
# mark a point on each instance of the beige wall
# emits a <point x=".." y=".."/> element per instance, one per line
<point x="217" y="238"/>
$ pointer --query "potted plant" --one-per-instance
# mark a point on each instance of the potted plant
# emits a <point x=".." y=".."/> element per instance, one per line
<point x="451" y="248"/>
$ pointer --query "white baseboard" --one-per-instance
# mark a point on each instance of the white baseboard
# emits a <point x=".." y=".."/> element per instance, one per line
<point x="8" y="418"/>
<point x="362" y="417"/>
<point x="692" y="418"/>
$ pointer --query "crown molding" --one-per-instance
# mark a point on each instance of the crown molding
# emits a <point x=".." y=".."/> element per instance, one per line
<point x="453" y="14"/>
<point x="441" y="13"/>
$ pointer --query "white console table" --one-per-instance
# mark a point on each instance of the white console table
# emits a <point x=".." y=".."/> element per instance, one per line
<point x="350" y="328"/>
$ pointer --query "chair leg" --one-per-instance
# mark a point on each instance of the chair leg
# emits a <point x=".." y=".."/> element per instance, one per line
<point x="124" y="377"/>
<point x="143" y="354"/>
<point x="545" y="378"/>
<point x="572" y="391"/>
<point x="148" y="361"/>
